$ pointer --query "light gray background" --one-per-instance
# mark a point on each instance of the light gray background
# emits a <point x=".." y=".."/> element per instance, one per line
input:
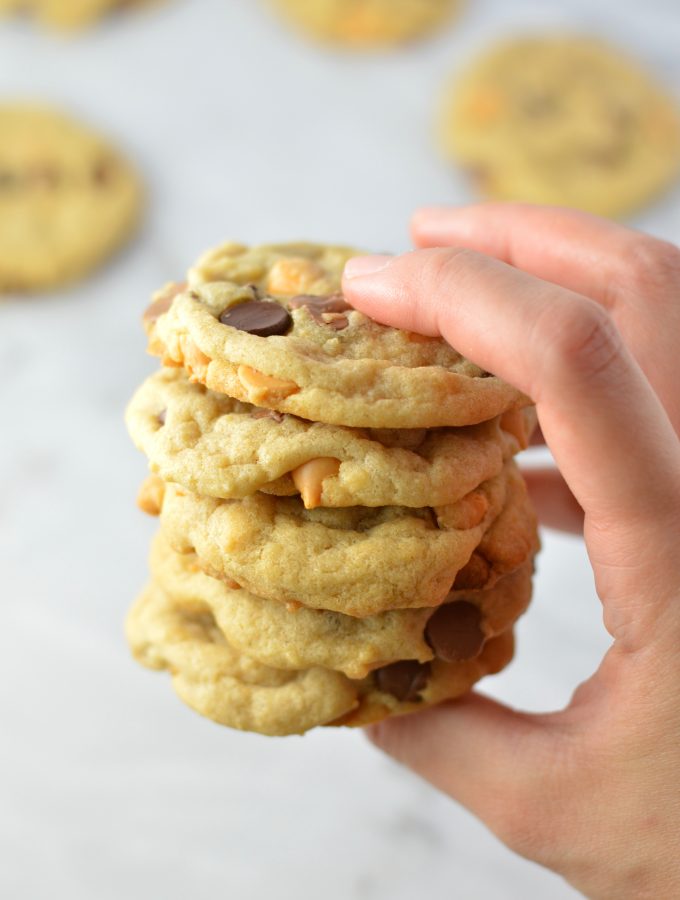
<point x="109" y="787"/>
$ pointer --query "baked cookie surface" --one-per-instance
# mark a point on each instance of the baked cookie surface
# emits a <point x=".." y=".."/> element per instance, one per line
<point x="229" y="687"/>
<point x="267" y="326"/>
<point x="67" y="199"/>
<point x="288" y="636"/>
<point x="67" y="14"/>
<point x="564" y="121"/>
<point x="366" y="23"/>
<point x="356" y="560"/>
<point x="219" y="447"/>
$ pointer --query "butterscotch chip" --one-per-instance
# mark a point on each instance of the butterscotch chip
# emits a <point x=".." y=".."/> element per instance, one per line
<point x="309" y="478"/>
<point x="263" y="388"/>
<point x="150" y="495"/>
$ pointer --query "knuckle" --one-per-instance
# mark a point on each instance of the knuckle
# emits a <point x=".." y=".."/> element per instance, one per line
<point x="446" y="265"/>
<point x="651" y="265"/>
<point x="581" y="338"/>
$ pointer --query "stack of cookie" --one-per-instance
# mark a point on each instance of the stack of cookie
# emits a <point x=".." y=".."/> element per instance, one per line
<point x="344" y="533"/>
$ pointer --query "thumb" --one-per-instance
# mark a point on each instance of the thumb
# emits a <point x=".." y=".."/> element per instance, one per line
<point x="494" y="761"/>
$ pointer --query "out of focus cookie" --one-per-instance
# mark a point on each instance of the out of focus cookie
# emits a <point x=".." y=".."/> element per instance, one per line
<point x="219" y="447"/>
<point x="565" y="121"/>
<point x="67" y="199"/>
<point x="290" y="636"/>
<point x="229" y="687"/>
<point x="367" y="23"/>
<point x="267" y="326"/>
<point x="67" y="14"/>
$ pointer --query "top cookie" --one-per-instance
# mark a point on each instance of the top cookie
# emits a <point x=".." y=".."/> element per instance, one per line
<point x="267" y="326"/>
<point x="366" y="23"/>
<point x="67" y="199"/>
<point x="564" y="121"/>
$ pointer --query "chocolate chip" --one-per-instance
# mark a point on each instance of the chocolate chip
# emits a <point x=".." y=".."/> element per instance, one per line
<point x="259" y="317"/>
<point x="454" y="632"/>
<point x="102" y="173"/>
<point x="475" y="573"/>
<point x="163" y="302"/>
<point x="320" y="308"/>
<point x="267" y="414"/>
<point x="403" y="680"/>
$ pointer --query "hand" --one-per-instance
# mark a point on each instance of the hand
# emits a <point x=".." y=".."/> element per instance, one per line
<point x="584" y="316"/>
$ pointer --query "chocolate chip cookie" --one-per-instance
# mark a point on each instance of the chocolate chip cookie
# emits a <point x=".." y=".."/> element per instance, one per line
<point x="562" y="120"/>
<point x="67" y="199"/>
<point x="267" y="326"/>
<point x="219" y="447"/>
<point x="290" y="636"/>
<point x="231" y="688"/>
<point x="366" y="23"/>
<point x="356" y="560"/>
<point x="67" y="14"/>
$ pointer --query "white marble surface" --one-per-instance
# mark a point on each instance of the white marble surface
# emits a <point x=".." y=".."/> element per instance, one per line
<point x="109" y="787"/>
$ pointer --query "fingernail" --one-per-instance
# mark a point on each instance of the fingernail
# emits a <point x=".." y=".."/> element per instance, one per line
<point x="366" y="265"/>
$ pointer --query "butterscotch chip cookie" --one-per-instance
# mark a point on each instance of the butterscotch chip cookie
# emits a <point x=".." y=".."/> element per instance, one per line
<point x="67" y="199"/>
<point x="68" y="14"/>
<point x="565" y="121"/>
<point x="355" y="560"/>
<point x="266" y="326"/>
<point x="229" y="687"/>
<point x="366" y="23"/>
<point x="219" y="447"/>
<point x="288" y="636"/>
<point x="223" y="684"/>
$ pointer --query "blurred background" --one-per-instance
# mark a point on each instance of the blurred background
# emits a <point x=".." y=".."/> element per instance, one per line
<point x="109" y="786"/>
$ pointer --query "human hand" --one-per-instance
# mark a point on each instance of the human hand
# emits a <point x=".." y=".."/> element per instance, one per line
<point x="584" y="316"/>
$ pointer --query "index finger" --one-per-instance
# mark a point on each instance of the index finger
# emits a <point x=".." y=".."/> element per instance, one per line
<point x="598" y="413"/>
<point x="634" y="276"/>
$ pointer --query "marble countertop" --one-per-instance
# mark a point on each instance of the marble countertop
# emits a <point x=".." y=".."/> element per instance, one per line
<point x="109" y="786"/>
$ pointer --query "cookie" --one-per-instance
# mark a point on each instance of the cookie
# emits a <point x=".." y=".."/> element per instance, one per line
<point x="67" y="14"/>
<point x="366" y="23"/>
<point x="231" y="688"/>
<point x="67" y="199"/>
<point x="266" y="326"/>
<point x="565" y="121"/>
<point x="356" y="560"/>
<point x="288" y="636"/>
<point x="219" y="447"/>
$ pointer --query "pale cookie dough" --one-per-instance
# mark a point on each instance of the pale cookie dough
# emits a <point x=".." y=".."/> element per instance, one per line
<point x="565" y="121"/>
<point x="227" y="686"/>
<point x="219" y="447"/>
<point x="312" y="355"/>
<point x="366" y="23"/>
<point x="67" y="14"/>
<point x="67" y="199"/>
<point x="356" y="560"/>
<point x="287" y="636"/>
<point x="223" y="684"/>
